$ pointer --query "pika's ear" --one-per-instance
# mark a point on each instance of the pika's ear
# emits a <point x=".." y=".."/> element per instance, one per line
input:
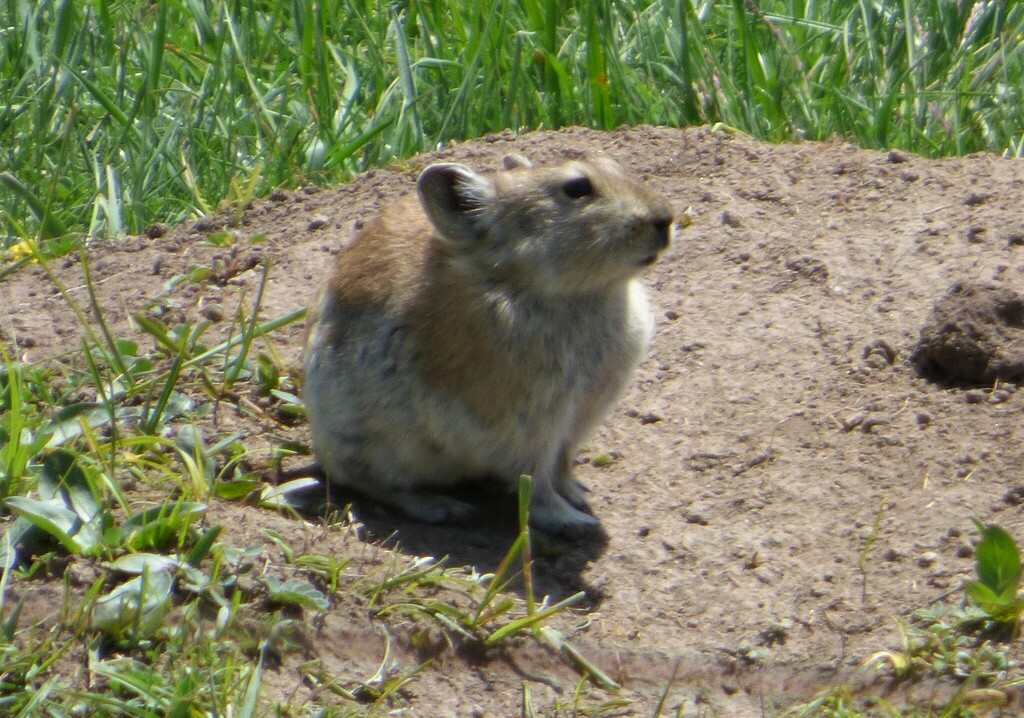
<point x="453" y="196"/>
<point x="515" y="162"/>
<point x="607" y="164"/>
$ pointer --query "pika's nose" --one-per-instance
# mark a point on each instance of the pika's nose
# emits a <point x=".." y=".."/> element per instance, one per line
<point x="662" y="229"/>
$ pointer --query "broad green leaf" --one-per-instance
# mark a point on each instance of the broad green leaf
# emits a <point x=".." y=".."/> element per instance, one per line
<point x="62" y="476"/>
<point x="998" y="560"/>
<point x="19" y="530"/>
<point x="296" y="592"/>
<point x="58" y="521"/>
<point x="67" y="424"/>
<point x="1009" y="596"/>
<point x="286" y="396"/>
<point x="982" y="596"/>
<point x="236" y="490"/>
<point x="139" y="563"/>
<point x="139" y="606"/>
<point x="288" y="494"/>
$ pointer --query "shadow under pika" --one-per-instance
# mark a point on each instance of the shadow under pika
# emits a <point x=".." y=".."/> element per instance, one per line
<point x="482" y="542"/>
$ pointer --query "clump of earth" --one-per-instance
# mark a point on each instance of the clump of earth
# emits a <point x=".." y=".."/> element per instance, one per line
<point x="830" y="399"/>
<point x="974" y="334"/>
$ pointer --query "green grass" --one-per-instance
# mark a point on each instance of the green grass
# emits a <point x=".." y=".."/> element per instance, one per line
<point x="116" y="115"/>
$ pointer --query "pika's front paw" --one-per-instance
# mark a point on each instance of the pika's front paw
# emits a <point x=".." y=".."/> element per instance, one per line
<point x="573" y="491"/>
<point x="557" y="517"/>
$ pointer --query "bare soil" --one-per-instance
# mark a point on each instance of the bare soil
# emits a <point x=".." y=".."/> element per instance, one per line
<point x="790" y="470"/>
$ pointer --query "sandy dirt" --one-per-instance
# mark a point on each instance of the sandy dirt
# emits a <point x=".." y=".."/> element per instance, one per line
<point x="785" y="411"/>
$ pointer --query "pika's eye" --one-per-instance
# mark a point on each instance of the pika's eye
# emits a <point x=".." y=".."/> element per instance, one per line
<point x="578" y="187"/>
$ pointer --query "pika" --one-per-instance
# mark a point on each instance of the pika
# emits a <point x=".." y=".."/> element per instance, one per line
<point x="478" y="330"/>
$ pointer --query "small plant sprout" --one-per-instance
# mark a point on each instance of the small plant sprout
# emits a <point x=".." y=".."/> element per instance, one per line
<point x="998" y="565"/>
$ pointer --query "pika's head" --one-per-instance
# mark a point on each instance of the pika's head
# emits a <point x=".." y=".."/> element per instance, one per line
<point x="575" y="228"/>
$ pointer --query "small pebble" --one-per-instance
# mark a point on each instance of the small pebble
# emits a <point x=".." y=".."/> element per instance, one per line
<point x="998" y="396"/>
<point x="317" y="222"/>
<point x="213" y="312"/>
<point x="730" y="219"/>
<point x="927" y="559"/>
<point x="205" y="224"/>
<point x="852" y="422"/>
<point x="1015" y="496"/>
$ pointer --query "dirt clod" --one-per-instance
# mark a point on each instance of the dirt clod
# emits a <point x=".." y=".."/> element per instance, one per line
<point x="975" y="333"/>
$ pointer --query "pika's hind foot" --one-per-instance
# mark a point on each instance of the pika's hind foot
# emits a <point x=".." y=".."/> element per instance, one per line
<point x="429" y="507"/>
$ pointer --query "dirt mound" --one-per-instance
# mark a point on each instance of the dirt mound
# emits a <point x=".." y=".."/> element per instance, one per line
<point x="975" y="334"/>
<point x="784" y="482"/>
